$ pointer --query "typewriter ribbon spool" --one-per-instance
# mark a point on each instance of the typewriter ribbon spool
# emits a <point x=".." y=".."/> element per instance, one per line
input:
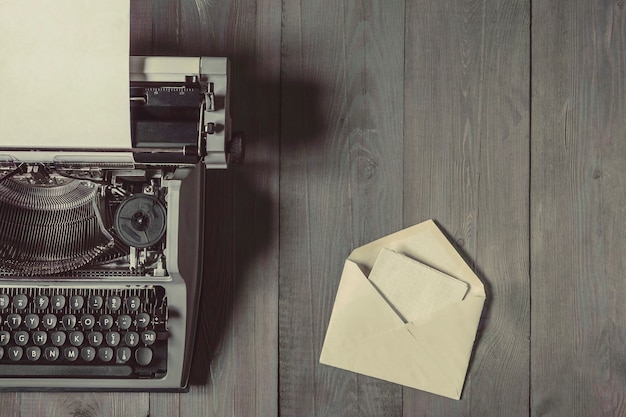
<point x="140" y="220"/>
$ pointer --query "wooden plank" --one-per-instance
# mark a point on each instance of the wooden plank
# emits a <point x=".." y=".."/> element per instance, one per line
<point x="85" y="404"/>
<point x="341" y="180"/>
<point x="466" y="165"/>
<point x="241" y="365"/>
<point x="164" y="404"/>
<point x="374" y="83"/>
<point x="578" y="208"/>
<point x="10" y="403"/>
<point x="79" y="404"/>
<point x="257" y="114"/>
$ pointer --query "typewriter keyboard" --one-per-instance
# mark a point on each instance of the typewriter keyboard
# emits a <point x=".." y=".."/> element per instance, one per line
<point x="83" y="332"/>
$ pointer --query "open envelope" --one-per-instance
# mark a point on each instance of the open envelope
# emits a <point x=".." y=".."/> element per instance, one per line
<point x="367" y="336"/>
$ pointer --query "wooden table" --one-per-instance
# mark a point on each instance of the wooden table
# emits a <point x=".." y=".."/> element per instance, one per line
<point x="504" y="123"/>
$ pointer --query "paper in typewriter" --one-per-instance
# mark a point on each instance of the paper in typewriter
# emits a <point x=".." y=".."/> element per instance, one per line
<point x="64" y="73"/>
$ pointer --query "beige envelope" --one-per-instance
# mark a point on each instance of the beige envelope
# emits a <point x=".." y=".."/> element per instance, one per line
<point x="365" y="335"/>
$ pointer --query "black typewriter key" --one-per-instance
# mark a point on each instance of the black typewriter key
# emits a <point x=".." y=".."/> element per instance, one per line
<point x="105" y="354"/>
<point x="148" y="337"/>
<point x="132" y="303"/>
<point x="114" y="302"/>
<point x="77" y="338"/>
<point x="51" y="353"/>
<point x="40" y="338"/>
<point x="41" y="302"/>
<point x="58" y="301"/>
<point x="33" y="353"/>
<point x="14" y="321"/>
<point x="95" y="338"/>
<point x="123" y="355"/>
<point x="76" y="302"/>
<point x="87" y="321"/>
<point x="21" y="338"/>
<point x="15" y="353"/>
<point x="68" y="321"/>
<point x="49" y="321"/>
<point x="113" y="339"/>
<point x="143" y="319"/>
<point x="31" y="321"/>
<point x="95" y="302"/>
<point x="143" y="356"/>
<point x="105" y="321"/>
<point x="4" y="337"/>
<point x="124" y="322"/>
<point x="88" y="353"/>
<point x="58" y="338"/>
<point x="1" y="352"/>
<point x="20" y="301"/>
<point x="70" y="353"/>
<point x="131" y="339"/>
<point x="4" y="301"/>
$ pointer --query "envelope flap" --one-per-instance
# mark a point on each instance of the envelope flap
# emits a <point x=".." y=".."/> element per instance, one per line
<point x="426" y="243"/>
<point x="357" y="301"/>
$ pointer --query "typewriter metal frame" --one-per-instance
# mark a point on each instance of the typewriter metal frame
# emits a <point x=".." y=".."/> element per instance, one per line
<point x="180" y="167"/>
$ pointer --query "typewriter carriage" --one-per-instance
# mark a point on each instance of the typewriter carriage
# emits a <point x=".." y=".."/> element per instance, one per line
<point x="179" y="109"/>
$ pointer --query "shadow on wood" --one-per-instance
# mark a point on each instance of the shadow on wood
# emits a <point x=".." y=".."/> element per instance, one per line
<point x="241" y="256"/>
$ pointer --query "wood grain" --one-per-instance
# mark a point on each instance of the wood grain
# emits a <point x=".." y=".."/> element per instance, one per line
<point x="466" y="165"/>
<point x="256" y="55"/>
<point x="10" y="404"/>
<point x="86" y="404"/>
<point x="578" y="200"/>
<point x="341" y="144"/>
<point x="313" y="205"/>
<point x="240" y="363"/>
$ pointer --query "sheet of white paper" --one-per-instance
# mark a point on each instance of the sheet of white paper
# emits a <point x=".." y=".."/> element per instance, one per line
<point x="64" y="73"/>
<point x="413" y="289"/>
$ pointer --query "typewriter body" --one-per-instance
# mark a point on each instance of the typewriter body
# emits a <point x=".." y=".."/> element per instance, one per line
<point x="101" y="250"/>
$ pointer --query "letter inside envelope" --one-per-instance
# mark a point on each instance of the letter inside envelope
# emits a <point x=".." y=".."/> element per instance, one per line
<point x="406" y="311"/>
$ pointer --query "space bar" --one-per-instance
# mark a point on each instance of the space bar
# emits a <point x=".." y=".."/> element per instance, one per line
<point x="64" y="371"/>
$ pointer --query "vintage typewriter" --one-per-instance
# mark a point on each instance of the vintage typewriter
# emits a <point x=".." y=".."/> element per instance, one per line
<point x="101" y="250"/>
